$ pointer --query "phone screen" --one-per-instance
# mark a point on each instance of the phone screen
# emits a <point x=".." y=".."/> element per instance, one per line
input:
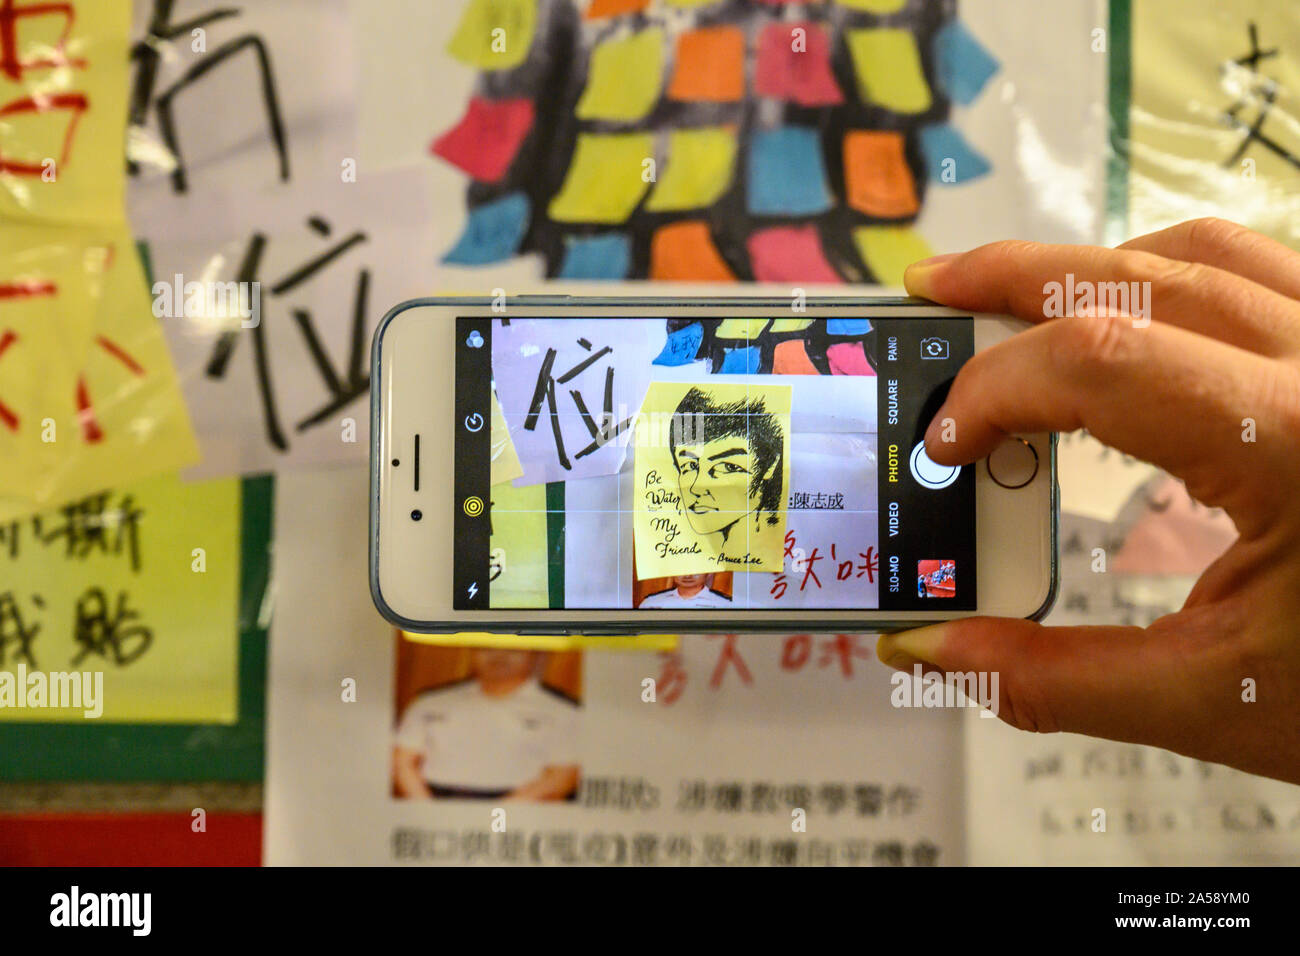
<point x="679" y="464"/>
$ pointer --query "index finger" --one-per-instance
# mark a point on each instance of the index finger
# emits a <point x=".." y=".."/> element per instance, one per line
<point x="1039" y="282"/>
<point x="1161" y="394"/>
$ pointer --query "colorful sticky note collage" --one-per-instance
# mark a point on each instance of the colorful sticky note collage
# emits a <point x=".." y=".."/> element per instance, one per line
<point x="772" y="346"/>
<point x="710" y="142"/>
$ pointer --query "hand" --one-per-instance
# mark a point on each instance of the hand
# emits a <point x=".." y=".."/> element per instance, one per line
<point x="1221" y="351"/>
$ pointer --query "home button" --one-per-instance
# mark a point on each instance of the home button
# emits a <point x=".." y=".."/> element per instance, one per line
<point x="1014" y="463"/>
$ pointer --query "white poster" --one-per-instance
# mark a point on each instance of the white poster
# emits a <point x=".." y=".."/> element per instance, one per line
<point x="762" y="749"/>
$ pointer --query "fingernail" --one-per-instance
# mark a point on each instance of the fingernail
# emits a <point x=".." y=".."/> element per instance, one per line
<point x="918" y="278"/>
<point x="921" y="644"/>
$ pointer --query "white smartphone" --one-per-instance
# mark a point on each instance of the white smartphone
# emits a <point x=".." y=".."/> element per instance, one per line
<point x="556" y="464"/>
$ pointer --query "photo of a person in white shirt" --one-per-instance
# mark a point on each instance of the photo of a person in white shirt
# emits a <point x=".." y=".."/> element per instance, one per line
<point x="687" y="591"/>
<point x="502" y="735"/>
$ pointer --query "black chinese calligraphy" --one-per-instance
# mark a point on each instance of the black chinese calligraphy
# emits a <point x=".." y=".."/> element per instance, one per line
<point x="1260" y="94"/>
<point x="343" y="387"/>
<point x="147" y="55"/>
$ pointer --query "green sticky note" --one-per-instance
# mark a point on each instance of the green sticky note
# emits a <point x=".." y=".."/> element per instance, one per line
<point x="874" y="6"/>
<point x="698" y="169"/>
<point x="625" y="78"/>
<point x="888" y="67"/>
<point x="888" y="250"/>
<point x="744" y="329"/>
<point x="495" y="34"/>
<point x="606" y="178"/>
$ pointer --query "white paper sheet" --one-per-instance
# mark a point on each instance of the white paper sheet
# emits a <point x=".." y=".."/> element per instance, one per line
<point x="377" y="226"/>
<point x="742" y="733"/>
<point x="222" y="121"/>
<point x="1097" y="481"/>
<point x="537" y="367"/>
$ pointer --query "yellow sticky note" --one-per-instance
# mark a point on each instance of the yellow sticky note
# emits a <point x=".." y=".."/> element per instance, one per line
<point x="888" y="67"/>
<point x="698" y="170"/>
<point x="495" y="34"/>
<point x="140" y="585"/>
<point x="742" y="329"/>
<point x="626" y="74"/>
<point x="790" y="325"/>
<point x="505" y="458"/>
<point x="48" y="296"/>
<point x="712" y="474"/>
<point x="606" y="178"/>
<point x="1213" y="132"/>
<point x="518" y="547"/>
<point x="874" y="6"/>
<point x="888" y="250"/>
<point x="686" y="4"/>
<point x="550" y="642"/>
<point x="88" y="395"/>
<point x="63" y="100"/>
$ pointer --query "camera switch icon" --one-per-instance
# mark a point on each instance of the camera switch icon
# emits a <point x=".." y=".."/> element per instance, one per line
<point x="934" y="347"/>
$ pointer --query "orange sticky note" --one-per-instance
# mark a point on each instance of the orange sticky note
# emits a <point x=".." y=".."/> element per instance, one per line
<point x="710" y="66"/>
<point x="876" y="174"/>
<point x="614" y="8"/>
<point x="684" y="252"/>
<point x="791" y="358"/>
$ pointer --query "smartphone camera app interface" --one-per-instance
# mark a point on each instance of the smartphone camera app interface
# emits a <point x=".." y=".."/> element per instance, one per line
<point x="680" y="464"/>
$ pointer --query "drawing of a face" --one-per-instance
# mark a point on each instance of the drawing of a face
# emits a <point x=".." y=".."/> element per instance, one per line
<point x="715" y="483"/>
<point x="728" y="460"/>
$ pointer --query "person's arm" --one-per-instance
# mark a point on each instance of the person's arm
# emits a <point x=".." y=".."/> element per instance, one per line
<point x="1209" y="390"/>
<point x="553" y="783"/>
<point x="406" y="774"/>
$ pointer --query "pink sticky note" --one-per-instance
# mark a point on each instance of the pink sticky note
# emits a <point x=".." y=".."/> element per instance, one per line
<point x="790" y="254"/>
<point x="848" y="358"/>
<point x="485" y="141"/>
<point x="794" y="64"/>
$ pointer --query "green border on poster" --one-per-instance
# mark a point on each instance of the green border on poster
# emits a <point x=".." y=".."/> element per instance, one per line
<point x="180" y="752"/>
<point x="1119" y="95"/>
<point x="555" y="544"/>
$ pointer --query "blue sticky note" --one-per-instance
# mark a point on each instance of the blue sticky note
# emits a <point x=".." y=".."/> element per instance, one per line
<point x="787" y="176"/>
<point x="493" y="233"/>
<point x="847" y="326"/>
<point x="949" y="159"/>
<point x="597" y="257"/>
<point x="740" y="361"/>
<point x="682" y="346"/>
<point x="962" y="64"/>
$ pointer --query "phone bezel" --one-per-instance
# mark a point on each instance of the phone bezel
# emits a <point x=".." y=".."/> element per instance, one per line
<point x="991" y="499"/>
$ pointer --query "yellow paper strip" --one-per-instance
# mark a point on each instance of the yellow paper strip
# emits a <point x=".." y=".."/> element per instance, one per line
<point x="550" y="642"/>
